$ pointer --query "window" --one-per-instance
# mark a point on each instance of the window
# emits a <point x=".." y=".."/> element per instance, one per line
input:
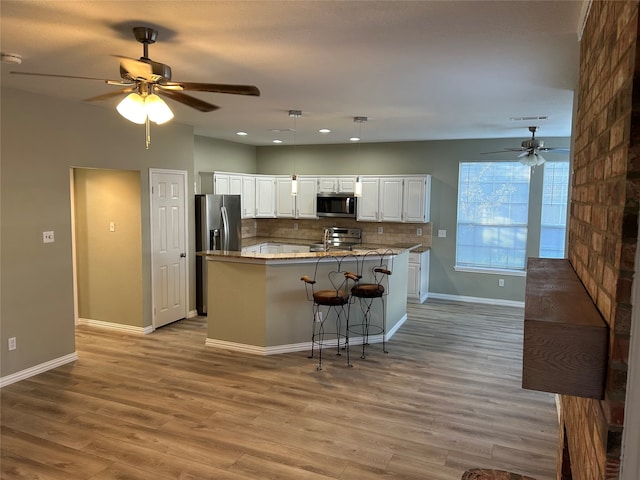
<point x="554" y="209"/>
<point x="493" y="205"/>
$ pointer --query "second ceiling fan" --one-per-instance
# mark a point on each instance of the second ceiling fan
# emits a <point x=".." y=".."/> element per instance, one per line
<point x="530" y="150"/>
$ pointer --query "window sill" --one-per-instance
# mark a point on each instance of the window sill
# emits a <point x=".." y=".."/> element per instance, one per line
<point x="491" y="271"/>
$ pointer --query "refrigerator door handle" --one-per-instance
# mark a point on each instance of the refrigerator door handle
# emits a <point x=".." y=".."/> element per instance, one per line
<point x="225" y="228"/>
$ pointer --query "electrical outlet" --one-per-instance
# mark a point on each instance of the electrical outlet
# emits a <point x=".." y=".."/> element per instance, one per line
<point x="419" y="232"/>
<point x="501" y="282"/>
<point x="295" y="226"/>
<point x="48" y="237"/>
<point x="318" y="317"/>
<point x="442" y="234"/>
<point x="380" y="230"/>
<point x="12" y="343"/>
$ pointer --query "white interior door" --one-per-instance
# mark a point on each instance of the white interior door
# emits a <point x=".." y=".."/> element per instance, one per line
<point x="168" y="245"/>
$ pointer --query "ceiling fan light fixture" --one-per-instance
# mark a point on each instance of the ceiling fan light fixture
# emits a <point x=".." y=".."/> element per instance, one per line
<point x="132" y="108"/>
<point x="157" y="110"/>
<point x="531" y="159"/>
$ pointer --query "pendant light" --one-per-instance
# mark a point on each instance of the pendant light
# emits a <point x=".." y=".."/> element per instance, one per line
<point x="357" y="192"/>
<point x="144" y="106"/>
<point x="295" y="114"/>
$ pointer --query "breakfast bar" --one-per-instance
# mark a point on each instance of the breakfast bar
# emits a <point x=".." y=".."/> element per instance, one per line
<point x="258" y="304"/>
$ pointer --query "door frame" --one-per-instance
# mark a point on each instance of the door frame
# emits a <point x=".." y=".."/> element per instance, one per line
<point x="630" y="463"/>
<point x="153" y="241"/>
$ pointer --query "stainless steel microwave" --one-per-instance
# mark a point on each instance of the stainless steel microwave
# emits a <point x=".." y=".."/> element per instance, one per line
<point x="336" y="205"/>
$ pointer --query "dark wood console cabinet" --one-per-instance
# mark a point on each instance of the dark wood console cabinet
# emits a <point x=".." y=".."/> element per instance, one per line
<point x="565" y="337"/>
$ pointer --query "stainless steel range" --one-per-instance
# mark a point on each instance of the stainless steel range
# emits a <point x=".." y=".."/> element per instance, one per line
<point x="338" y="238"/>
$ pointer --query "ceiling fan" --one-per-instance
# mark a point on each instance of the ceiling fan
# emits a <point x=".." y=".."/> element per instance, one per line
<point x="530" y="150"/>
<point x="144" y="79"/>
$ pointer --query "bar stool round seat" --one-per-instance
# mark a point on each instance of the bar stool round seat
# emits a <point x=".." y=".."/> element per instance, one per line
<point x="331" y="297"/>
<point x="368" y="290"/>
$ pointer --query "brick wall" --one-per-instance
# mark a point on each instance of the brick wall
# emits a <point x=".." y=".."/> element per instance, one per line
<point x="603" y="222"/>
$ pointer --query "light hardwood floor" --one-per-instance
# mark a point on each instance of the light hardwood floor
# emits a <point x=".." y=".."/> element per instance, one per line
<point x="447" y="397"/>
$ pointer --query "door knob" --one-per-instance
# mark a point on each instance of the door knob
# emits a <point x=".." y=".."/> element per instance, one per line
<point x="182" y="255"/>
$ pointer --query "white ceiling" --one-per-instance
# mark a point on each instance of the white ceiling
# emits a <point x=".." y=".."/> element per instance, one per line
<point x="420" y="70"/>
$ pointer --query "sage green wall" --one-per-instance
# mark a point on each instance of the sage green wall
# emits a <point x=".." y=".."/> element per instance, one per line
<point x="42" y="138"/>
<point x="108" y="263"/>
<point x="438" y="158"/>
<point x="219" y="155"/>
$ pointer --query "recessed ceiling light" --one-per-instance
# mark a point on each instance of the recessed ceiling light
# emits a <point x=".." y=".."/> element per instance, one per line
<point x="277" y="141"/>
<point x="242" y="134"/>
<point x="324" y="130"/>
<point x="12" y="58"/>
<point x="354" y="139"/>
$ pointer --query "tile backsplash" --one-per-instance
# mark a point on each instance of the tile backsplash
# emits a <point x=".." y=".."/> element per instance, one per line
<point x="311" y="230"/>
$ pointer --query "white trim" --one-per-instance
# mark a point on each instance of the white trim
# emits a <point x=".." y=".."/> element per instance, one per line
<point x="37" y="369"/>
<point x="74" y="259"/>
<point x="630" y="456"/>
<point x="121" y="327"/>
<point x="491" y="271"/>
<point x="582" y="19"/>
<point x="192" y="313"/>
<point x="296" y="347"/>
<point x="488" y="301"/>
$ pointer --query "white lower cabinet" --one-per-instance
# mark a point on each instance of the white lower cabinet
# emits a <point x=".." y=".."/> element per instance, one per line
<point x="286" y="248"/>
<point x="418" y="277"/>
<point x="251" y="249"/>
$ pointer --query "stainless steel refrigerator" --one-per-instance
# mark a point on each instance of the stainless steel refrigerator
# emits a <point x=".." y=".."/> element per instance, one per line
<point x="217" y="228"/>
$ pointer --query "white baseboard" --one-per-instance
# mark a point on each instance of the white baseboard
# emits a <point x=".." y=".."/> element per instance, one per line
<point x="192" y="313"/>
<point x="296" y="347"/>
<point x="488" y="301"/>
<point x="116" y="326"/>
<point x="35" y="370"/>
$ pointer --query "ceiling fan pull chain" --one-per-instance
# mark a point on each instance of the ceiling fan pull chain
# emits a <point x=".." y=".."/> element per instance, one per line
<point x="147" y="133"/>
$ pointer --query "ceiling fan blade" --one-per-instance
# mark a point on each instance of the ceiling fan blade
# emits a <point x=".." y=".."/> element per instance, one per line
<point x="63" y="76"/>
<point x="188" y="100"/>
<point x="526" y="153"/>
<point x="109" y="95"/>
<point x="555" y="149"/>
<point x="135" y="68"/>
<point x="221" y="88"/>
<point x="504" y="151"/>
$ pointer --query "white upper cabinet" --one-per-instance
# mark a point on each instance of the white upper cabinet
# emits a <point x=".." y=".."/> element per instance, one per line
<point x="368" y="203"/>
<point x="248" y="200"/>
<point x="339" y="184"/>
<point x="417" y="199"/>
<point x="306" y="199"/>
<point x="285" y="202"/>
<point x="395" y="199"/>
<point x="302" y="205"/>
<point x="265" y="197"/>
<point x="221" y="183"/>
<point x="390" y="200"/>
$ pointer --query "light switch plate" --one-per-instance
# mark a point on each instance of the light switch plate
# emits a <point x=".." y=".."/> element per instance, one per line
<point x="48" y="237"/>
<point x="442" y="233"/>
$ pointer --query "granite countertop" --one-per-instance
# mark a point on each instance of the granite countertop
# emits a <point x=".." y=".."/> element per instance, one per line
<point x="252" y="256"/>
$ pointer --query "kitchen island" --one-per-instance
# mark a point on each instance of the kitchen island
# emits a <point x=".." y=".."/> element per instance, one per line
<point x="257" y="303"/>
